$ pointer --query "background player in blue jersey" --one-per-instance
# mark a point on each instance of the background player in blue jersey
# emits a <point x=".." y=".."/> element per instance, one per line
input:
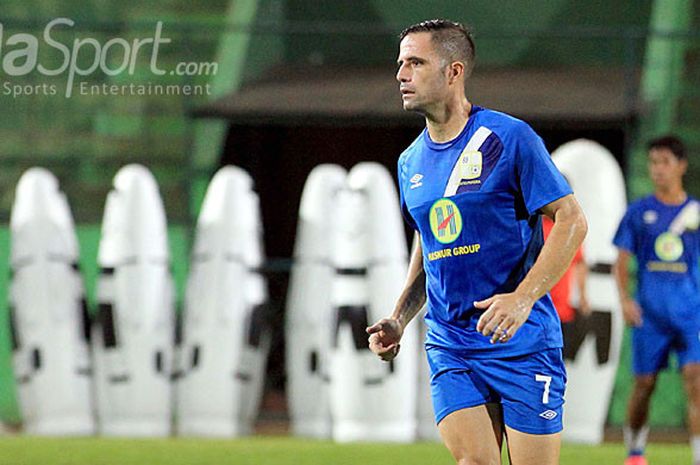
<point x="661" y="232"/>
<point x="473" y="185"/>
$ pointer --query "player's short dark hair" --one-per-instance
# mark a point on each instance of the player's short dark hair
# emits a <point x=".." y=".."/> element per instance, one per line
<point x="453" y="40"/>
<point x="670" y="142"/>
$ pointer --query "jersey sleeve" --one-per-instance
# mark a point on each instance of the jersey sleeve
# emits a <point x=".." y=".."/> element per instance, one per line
<point x="624" y="237"/>
<point x="540" y="181"/>
<point x="404" y="208"/>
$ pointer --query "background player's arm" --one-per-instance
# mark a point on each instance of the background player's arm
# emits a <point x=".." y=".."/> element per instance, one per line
<point x="386" y="333"/>
<point x="506" y="313"/>
<point x="581" y="276"/>
<point x="630" y="309"/>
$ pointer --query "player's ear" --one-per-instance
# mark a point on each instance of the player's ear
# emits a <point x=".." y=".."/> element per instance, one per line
<point x="456" y="70"/>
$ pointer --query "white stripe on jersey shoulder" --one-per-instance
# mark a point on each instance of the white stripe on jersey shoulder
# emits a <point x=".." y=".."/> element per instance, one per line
<point x="686" y="219"/>
<point x="474" y="144"/>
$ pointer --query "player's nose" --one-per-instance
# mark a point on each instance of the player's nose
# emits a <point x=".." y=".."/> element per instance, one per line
<point x="402" y="75"/>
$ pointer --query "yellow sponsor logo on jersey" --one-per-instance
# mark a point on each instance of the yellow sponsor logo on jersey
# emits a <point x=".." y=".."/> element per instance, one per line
<point x="454" y="252"/>
<point x="668" y="247"/>
<point x="673" y="267"/>
<point x="445" y="221"/>
<point x="466" y="249"/>
<point x="438" y="254"/>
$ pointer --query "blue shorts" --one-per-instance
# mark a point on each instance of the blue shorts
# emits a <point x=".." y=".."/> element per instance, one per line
<point x="530" y="388"/>
<point x="653" y="342"/>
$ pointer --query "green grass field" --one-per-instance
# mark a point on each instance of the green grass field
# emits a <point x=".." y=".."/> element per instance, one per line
<point x="277" y="451"/>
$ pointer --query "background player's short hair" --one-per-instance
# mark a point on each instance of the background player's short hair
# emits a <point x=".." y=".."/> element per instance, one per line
<point x="453" y="40"/>
<point x="670" y="142"/>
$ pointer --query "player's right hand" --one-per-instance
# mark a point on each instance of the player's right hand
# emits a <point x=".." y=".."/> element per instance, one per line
<point x="584" y="307"/>
<point x="631" y="312"/>
<point x="384" y="337"/>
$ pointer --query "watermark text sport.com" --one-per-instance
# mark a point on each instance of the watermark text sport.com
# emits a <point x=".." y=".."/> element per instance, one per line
<point x="19" y="55"/>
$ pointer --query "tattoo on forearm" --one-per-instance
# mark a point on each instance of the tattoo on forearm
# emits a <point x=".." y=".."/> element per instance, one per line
<point x="413" y="298"/>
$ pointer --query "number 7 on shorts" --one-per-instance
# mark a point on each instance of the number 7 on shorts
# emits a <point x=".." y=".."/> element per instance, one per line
<point x="547" y="380"/>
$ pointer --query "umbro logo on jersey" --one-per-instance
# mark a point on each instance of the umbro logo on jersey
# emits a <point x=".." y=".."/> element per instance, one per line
<point x="650" y="217"/>
<point x="416" y="181"/>
<point x="549" y="414"/>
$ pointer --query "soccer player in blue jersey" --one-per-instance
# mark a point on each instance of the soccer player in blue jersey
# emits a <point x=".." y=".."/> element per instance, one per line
<point x="661" y="232"/>
<point x="474" y="185"/>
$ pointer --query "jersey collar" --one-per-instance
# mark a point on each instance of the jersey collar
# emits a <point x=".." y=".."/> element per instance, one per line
<point x="450" y="143"/>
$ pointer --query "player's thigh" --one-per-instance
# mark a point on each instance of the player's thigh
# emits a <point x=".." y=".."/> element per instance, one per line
<point x="533" y="449"/>
<point x="454" y="384"/>
<point x="687" y="346"/>
<point x="531" y="389"/>
<point x="651" y="346"/>
<point x="474" y="435"/>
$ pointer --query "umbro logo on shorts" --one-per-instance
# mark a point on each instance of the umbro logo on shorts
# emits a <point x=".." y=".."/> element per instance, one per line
<point x="549" y="414"/>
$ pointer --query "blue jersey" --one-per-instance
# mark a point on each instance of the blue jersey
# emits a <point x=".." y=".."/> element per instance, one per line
<point x="475" y="200"/>
<point x="666" y="243"/>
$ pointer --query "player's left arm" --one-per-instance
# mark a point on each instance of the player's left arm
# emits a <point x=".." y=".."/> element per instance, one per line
<point x="505" y="313"/>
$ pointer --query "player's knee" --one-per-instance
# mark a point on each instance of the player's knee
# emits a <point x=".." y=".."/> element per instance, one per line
<point x="644" y="385"/>
<point x="477" y="461"/>
<point x="472" y="462"/>
<point x="471" y="456"/>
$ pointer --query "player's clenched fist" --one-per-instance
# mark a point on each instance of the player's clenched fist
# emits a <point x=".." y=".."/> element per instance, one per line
<point x="384" y="337"/>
